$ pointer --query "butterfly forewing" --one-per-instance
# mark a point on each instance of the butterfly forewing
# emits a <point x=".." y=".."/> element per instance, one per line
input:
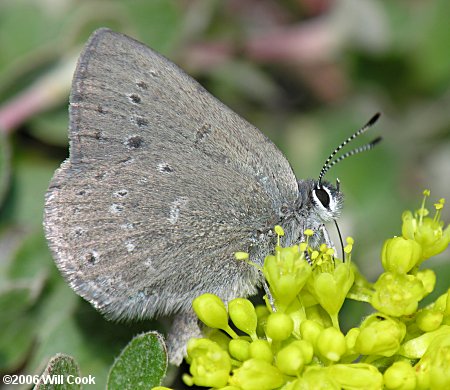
<point x="163" y="184"/>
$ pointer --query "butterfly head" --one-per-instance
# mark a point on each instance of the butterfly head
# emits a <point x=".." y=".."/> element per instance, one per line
<point x="322" y="201"/>
<point x="327" y="200"/>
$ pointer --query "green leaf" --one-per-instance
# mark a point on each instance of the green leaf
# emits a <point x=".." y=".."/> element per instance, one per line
<point x="11" y="239"/>
<point x="141" y="365"/>
<point x="32" y="258"/>
<point x="59" y="365"/>
<point x="432" y="57"/>
<point x="66" y="324"/>
<point x="51" y="127"/>
<point x="13" y="300"/>
<point x="157" y="22"/>
<point x="17" y="331"/>
<point x="25" y="200"/>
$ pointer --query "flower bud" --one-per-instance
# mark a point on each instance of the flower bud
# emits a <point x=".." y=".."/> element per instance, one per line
<point x="257" y="374"/>
<point x="400" y="254"/>
<point x="409" y="225"/>
<point x="350" y="341"/>
<point x="318" y="314"/>
<point x="187" y="379"/>
<point x="428" y="320"/>
<point x="210" y="364"/>
<point x="400" y="376"/>
<point x="290" y="360"/>
<point x="331" y="344"/>
<point x="261" y="314"/>
<point x="296" y="311"/>
<point x="416" y="347"/>
<point x="286" y="274"/>
<point x="357" y="376"/>
<point x="429" y="233"/>
<point x="239" y="349"/>
<point x="243" y="314"/>
<point x="279" y="326"/>
<point x="314" y="377"/>
<point x="298" y="384"/>
<point x="434" y="366"/>
<point x="428" y="279"/>
<point x="380" y="335"/>
<point x="219" y="337"/>
<point x="260" y="349"/>
<point x="306" y="348"/>
<point x="432" y="237"/>
<point x="397" y="294"/>
<point x="310" y="331"/>
<point x="331" y="288"/>
<point x="443" y="303"/>
<point x="212" y="312"/>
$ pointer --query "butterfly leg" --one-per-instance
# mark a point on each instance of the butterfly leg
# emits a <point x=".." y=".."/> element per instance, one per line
<point x="327" y="238"/>
<point x="307" y="256"/>
<point x="269" y="296"/>
<point x="185" y="326"/>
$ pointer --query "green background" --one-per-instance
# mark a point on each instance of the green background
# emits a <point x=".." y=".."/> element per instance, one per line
<point x="306" y="72"/>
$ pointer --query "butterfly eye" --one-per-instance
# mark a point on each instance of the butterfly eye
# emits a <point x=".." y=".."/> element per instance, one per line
<point x="323" y="197"/>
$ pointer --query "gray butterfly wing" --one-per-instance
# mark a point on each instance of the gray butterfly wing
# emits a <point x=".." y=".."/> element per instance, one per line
<point x="163" y="184"/>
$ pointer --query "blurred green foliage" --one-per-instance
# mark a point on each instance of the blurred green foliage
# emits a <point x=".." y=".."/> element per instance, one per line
<point x="306" y="72"/>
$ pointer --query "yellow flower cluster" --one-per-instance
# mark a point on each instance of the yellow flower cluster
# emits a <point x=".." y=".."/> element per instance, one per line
<point x="297" y="344"/>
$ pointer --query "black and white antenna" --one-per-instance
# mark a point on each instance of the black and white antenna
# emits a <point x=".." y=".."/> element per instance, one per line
<point x="330" y="162"/>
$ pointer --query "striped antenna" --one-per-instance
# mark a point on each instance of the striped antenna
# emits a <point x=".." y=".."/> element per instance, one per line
<point x="328" y="163"/>
<point x="352" y="152"/>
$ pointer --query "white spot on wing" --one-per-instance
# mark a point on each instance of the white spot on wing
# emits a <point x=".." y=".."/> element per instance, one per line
<point x="116" y="208"/>
<point x="165" y="168"/>
<point x="130" y="246"/>
<point x="127" y="161"/>
<point x="149" y="264"/>
<point x="175" y="207"/>
<point x="127" y="226"/>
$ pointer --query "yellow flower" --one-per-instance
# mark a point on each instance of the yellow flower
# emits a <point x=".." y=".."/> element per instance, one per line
<point x="210" y="364"/>
<point x="428" y="232"/>
<point x="400" y="254"/>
